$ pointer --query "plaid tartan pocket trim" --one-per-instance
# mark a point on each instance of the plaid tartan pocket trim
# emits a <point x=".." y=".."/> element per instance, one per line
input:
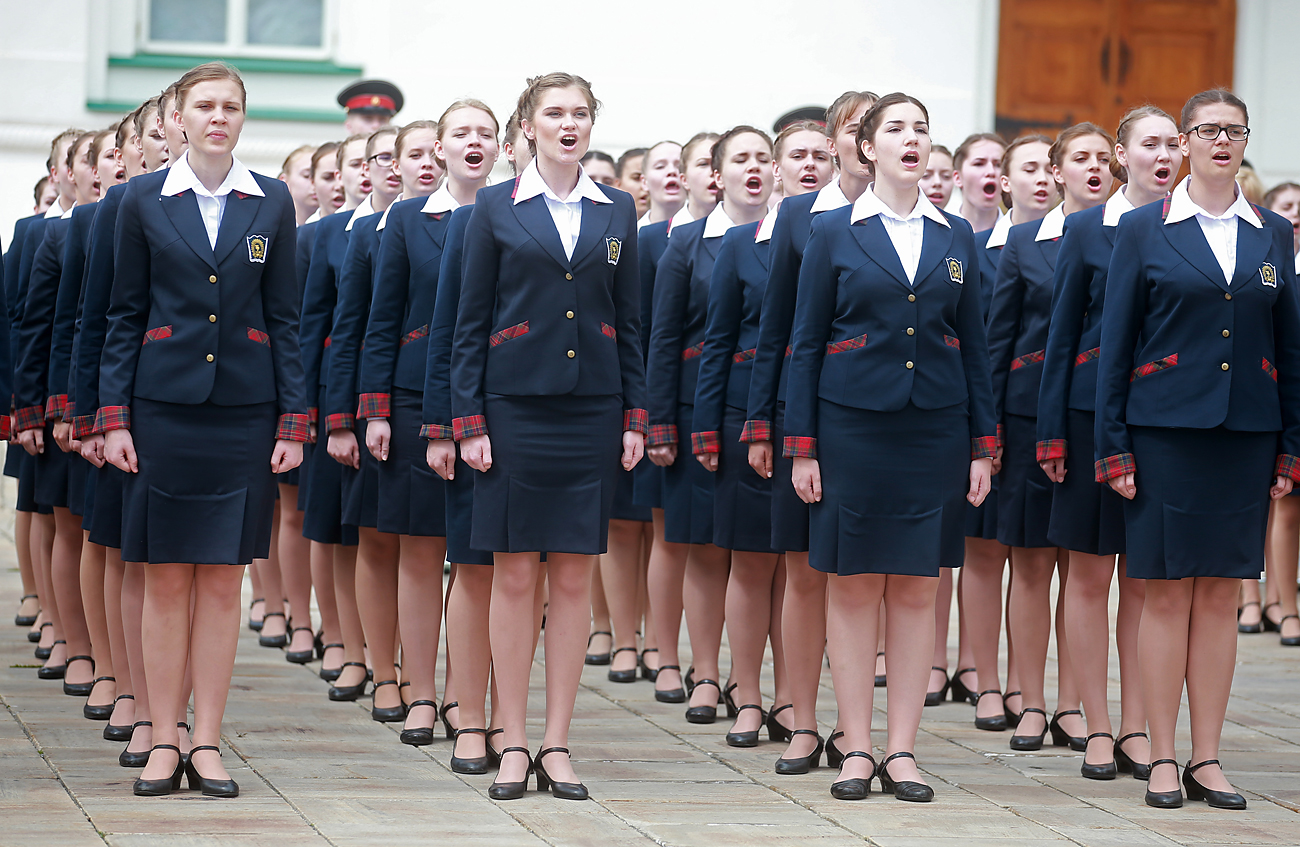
<point x="436" y="432"/>
<point x="1051" y="448"/>
<point x="1153" y="367"/>
<point x="744" y="355"/>
<point x="469" y="426"/>
<point x="112" y="417"/>
<point x="1288" y="466"/>
<point x="415" y="335"/>
<point x="756" y="431"/>
<point x="952" y="342"/>
<point x="984" y="447"/>
<point x="1115" y="466"/>
<point x="158" y="333"/>
<point x="608" y="331"/>
<point x="846" y="344"/>
<point x="261" y="338"/>
<point x="800" y="447"/>
<point x="636" y="420"/>
<point x="1270" y="370"/>
<point x="293" y="428"/>
<point x="1028" y="359"/>
<point x="502" y="336"/>
<point x="1087" y="356"/>
<point x="693" y="351"/>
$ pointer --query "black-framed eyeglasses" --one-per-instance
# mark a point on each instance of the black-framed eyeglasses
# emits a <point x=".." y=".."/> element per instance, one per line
<point x="386" y="159"/>
<point x="1209" y="132"/>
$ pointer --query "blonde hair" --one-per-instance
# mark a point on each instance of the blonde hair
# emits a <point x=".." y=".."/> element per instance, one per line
<point x="404" y="133"/>
<point x="305" y="149"/>
<point x="464" y="103"/>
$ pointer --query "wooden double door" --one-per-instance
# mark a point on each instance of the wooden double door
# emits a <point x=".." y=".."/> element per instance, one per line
<point x="1065" y="61"/>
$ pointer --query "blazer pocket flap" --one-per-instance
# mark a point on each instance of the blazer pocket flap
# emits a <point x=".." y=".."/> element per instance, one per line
<point x="846" y="344"/>
<point x="1154" y="367"/>
<point x="502" y="336"/>
<point x="608" y="331"/>
<point x="415" y="334"/>
<point x="259" y="336"/>
<point x="158" y="333"/>
<point x="197" y="528"/>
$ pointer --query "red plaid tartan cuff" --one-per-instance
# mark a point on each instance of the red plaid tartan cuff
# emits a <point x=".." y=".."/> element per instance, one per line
<point x="339" y="421"/>
<point x="1115" y="466"/>
<point x="374" y="406"/>
<point x="436" y="432"/>
<point x="756" y="431"/>
<point x="636" y="420"/>
<point x="800" y="447"/>
<point x="4" y="428"/>
<point x="1288" y="466"/>
<point x="112" y="417"/>
<point x="1001" y="436"/>
<point x="313" y="414"/>
<point x="705" y="442"/>
<point x="984" y="447"/>
<point x="661" y="434"/>
<point x="1052" y="448"/>
<point x="82" y="426"/>
<point x="56" y="406"/>
<point x="468" y="427"/>
<point x="31" y="417"/>
<point x="293" y="428"/>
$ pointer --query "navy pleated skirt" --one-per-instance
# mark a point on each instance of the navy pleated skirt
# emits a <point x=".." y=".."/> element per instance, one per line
<point x="789" y="513"/>
<point x="551" y="484"/>
<point x="982" y="520"/>
<point x="87" y="508"/>
<point x="742" y="500"/>
<point x="322" y="520"/>
<point x="625" y="505"/>
<point x="361" y="487"/>
<point x="304" y="475"/>
<point x="1202" y="502"/>
<point x="1024" y="491"/>
<point x="53" y="468"/>
<point x="105" y="513"/>
<point x="460" y="517"/>
<point x="205" y="492"/>
<point x="25" y="471"/>
<point x="1087" y="516"/>
<point x="894" y="488"/>
<point x="688" y="490"/>
<point x="412" y="498"/>
<point x="77" y="483"/>
<point x="648" y="485"/>
<point x="13" y="458"/>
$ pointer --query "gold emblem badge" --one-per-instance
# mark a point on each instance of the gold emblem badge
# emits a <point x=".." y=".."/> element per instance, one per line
<point x="257" y="248"/>
<point x="374" y="100"/>
<point x="612" y="247"/>
<point x="1268" y="275"/>
<point x="954" y="271"/>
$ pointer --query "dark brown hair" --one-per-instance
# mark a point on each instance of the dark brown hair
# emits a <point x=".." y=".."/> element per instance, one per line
<point x="321" y="152"/>
<point x="72" y="148"/>
<point x="147" y="107"/>
<point x="1207" y="98"/>
<point x="628" y="156"/>
<point x="963" y="149"/>
<point x="719" y="151"/>
<point x="696" y="139"/>
<point x="1080" y="130"/>
<point x="126" y="127"/>
<point x="876" y="115"/>
<point x="790" y="129"/>
<point x="1008" y="153"/>
<point x="404" y="133"/>
<point x="97" y="143"/>
<point x="1276" y="190"/>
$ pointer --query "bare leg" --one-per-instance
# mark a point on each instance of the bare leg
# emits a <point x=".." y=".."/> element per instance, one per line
<point x="166" y="631"/>
<point x="114" y="577"/>
<point x="704" y="596"/>
<point x="965" y="652"/>
<point x="275" y="619"/>
<point x="981" y="586"/>
<point x="910" y="600"/>
<point x="350" y="628"/>
<point x="512" y="627"/>
<point x="65" y="577"/>
<point x="565" y="640"/>
<point x="321" y="558"/>
<point x="295" y="569"/>
<point x="645" y="609"/>
<point x="92" y="601"/>
<point x="619" y="573"/>
<point x="1164" y="636"/>
<point x="664" y="581"/>
<point x="776" y="636"/>
<point x="601" y="643"/>
<point x="803" y="622"/>
<point x="1031" y="622"/>
<point x="1087" y="621"/>
<point x="133" y="591"/>
<point x="1250" y="605"/>
<point x="42" y="553"/>
<point x="1067" y="688"/>
<point x="853" y="608"/>
<point x="377" y="562"/>
<point x="942" y="611"/>
<point x="1282" y="553"/>
<point x="748" y="602"/>
<point x="214" y="635"/>
<point x="468" y="601"/>
<point x="1133" y="713"/>
<point x="419" y="599"/>
<point x="31" y="603"/>
<point x="1212" y="639"/>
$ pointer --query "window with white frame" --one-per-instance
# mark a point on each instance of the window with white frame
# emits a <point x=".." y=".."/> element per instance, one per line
<point x="270" y="28"/>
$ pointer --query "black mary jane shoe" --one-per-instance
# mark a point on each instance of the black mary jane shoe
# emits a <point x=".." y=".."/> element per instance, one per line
<point x="255" y="626"/>
<point x="1061" y="738"/>
<point x="494" y="758"/>
<point x="959" y="691"/>
<point x="118" y="733"/>
<point x="733" y="708"/>
<point x="476" y="765"/>
<point x="1125" y="763"/>
<point x="1013" y="718"/>
<point x="447" y="728"/>
<point x="647" y="672"/>
<point x="330" y="674"/>
<point x="1268" y="623"/>
<point x="882" y="679"/>
<point x="750" y="738"/>
<point x="210" y="787"/>
<point x="1216" y="799"/>
<point x="934" y="698"/>
<point x="34" y="636"/>
<point x="78" y="689"/>
<point x="912" y="792"/>
<point x="51" y="671"/>
<point x="512" y="790"/>
<point x="598" y="658"/>
<point x="1250" y="628"/>
<point x="801" y="764"/>
<point x="559" y="790"/>
<point x="1023" y="743"/>
<point x="834" y="756"/>
<point x="1164" y="799"/>
<point x="1288" y="640"/>
<point x="281" y="640"/>
<point x="777" y="731"/>
<point x="389" y="714"/>
<point x="25" y="620"/>
<point x="1106" y="770"/>
<point x="421" y="735"/>
<point x="703" y="714"/>
<point x="628" y="675"/>
<point x="162" y="787"/>
<point x="99" y="713"/>
<point x="348" y="693"/>
<point x="669" y="695"/>
<point x="299" y="657"/>
<point x="994" y="723"/>
<point x="127" y="759"/>
<point x="858" y="788"/>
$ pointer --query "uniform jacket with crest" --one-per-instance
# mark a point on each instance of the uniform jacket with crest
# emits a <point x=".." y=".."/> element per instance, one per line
<point x="190" y="324"/>
<point x="32" y="368"/>
<point x="990" y="258"/>
<point x="356" y="284"/>
<point x="67" y="314"/>
<point x="96" y="292"/>
<point x="532" y="322"/>
<point x="1180" y="347"/>
<point x="12" y="262"/>
<point x="864" y="338"/>
<point x="442" y="330"/>
<point x="651" y="242"/>
<point x="1019" y="317"/>
<point x="319" y="299"/>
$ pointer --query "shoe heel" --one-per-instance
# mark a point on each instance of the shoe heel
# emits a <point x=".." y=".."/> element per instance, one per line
<point x="1060" y="738"/>
<point x="543" y="783"/>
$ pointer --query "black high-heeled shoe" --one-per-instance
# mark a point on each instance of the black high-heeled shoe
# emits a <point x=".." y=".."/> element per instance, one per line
<point x="628" y="675"/>
<point x="330" y="674"/>
<point x="494" y="758"/>
<point x="801" y="764"/>
<point x="1013" y="718"/>
<point x="348" y="693"/>
<point x="1268" y="623"/>
<point x="318" y="642"/>
<point x="165" y="786"/>
<point x="777" y="731"/>
<point x="475" y="765"/>
<point x="1250" y="628"/>
<point x="78" y="689"/>
<point x="669" y="695"/>
<point x="210" y="787"/>
<point x="959" y="689"/>
<point x="512" y="790"/>
<point x="647" y="672"/>
<point x="51" y="671"/>
<point x="750" y="738"/>
<point x="1216" y="799"/>
<point x="421" y="735"/>
<point x="118" y="733"/>
<point x="1106" y="770"/>
<point x="703" y="714"/>
<point x="1164" y="799"/>
<point x="560" y="790"/>
<point x="995" y="723"/>
<point x="99" y="713"/>
<point x="21" y="619"/>
<point x="1061" y="738"/>
<point x="934" y="698"/>
<point x="834" y="756"/>
<point x="1029" y="742"/>
<point x="733" y="710"/>
<point x="281" y="640"/>
<point x="882" y="679"/>
<point x="127" y="759"/>
<point x="912" y="792"/>
<point x="255" y="626"/>
<point x="299" y="657"/>
<point x="1125" y="763"/>
<point x="446" y="722"/>
<point x="35" y="636"/>
<point x="1288" y="640"/>
<point x="598" y="658"/>
<point x="389" y="714"/>
<point x="857" y="788"/>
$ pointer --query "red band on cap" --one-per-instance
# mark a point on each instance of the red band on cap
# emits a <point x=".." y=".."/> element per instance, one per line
<point x="371" y="101"/>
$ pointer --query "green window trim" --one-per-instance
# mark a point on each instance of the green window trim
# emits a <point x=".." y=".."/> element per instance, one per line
<point x="329" y="116"/>
<point x="244" y="64"/>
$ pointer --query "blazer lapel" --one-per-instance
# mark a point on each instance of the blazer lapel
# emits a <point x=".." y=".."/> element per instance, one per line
<point x="183" y="211"/>
<point x="595" y="223"/>
<point x="1049" y="249"/>
<point x="1252" y="248"/>
<point x="1109" y="232"/>
<point x="763" y="249"/>
<point x="712" y="246"/>
<point x="934" y="247"/>
<point x="536" y="219"/>
<point x="435" y="227"/>
<point x="236" y="221"/>
<point x="1186" y="237"/>
<point x="875" y="242"/>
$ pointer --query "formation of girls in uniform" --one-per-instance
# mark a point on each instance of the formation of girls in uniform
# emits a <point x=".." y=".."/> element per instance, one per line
<point x="769" y="385"/>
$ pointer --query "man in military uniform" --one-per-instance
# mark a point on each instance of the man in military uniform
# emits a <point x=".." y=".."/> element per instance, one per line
<point x="371" y="103"/>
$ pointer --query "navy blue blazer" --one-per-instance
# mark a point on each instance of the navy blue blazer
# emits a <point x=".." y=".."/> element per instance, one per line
<point x="356" y="284"/>
<point x="96" y="292"/>
<point x="533" y="322"/>
<point x="396" y="352"/>
<point x="13" y="258"/>
<point x="1180" y="347"/>
<point x="306" y="242"/>
<point x="1018" y="319"/>
<point x="320" y="296"/>
<point x="32" y="368"/>
<point x="730" y="333"/>
<point x="767" y="383"/>
<point x="62" y="366"/>
<point x="651" y="242"/>
<point x="990" y="258"/>
<point x="865" y="338"/>
<point x="190" y="324"/>
<point x="442" y="331"/>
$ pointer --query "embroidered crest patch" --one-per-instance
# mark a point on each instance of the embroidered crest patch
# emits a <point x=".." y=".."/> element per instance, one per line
<point x="1268" y="275"/>
<point x="954" y="270"/>
<point x="257" y="248"/>
<point x="613" y="247"/>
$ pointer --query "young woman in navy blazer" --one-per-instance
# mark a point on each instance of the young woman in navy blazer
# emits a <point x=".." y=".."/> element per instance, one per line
<point x="548" y="389"/>
<point x="1200" y="345"/>
<point x="1087" y="517"/>
<point x="1017" y="327"/>
<point x="889" y="386"/>
<point x="211" y="293"/>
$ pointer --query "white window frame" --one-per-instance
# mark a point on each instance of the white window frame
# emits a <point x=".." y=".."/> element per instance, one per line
<point x="235" y="44"/>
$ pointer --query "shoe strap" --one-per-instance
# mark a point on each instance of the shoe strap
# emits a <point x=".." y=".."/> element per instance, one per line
<point x="166" y="747"/>
<point x="473" y="730"/>
<point x="72" y="659"/>
<point x="523" y="750"/>
<point x="961" y="671"/>
<point x="1013" y="694"/>
<point x="594" y="634"/>
<point x="1286" y="618"/>
<point x="1029" y="709"/>
<point x="1190" y="768"/>
<point x="812" y="732"/>
<point x="183" y="725"/>
<point x="937" y="668"/>
<point x="194" y="750"/>
<point x="622" y="650"/>
<point x="97" y="680"/>
<point x="415" y="703"/>
<point x="29" y="597"/>
<point x="45" y="624"/>
<point x="123" y="697"/>
<point x="989" y="691"/>
<point x="60" y="641"/>
<point x="1120" y="743"/>
<point x="549" y="750"/>
<point x="748" y="706"/>
<point x="650" y="650"/>
<point x="329" y="646"/>
<point x="352" y="664"/>
<point x="300" y="629"/>
<point x="839" y="733"/>
<point x="712" y="682"/>
<point x="141" y="723"/>
<point x="861" y="755"/>
<point x="272" y="615"/>
<point x="884" y="764"/>
<point x="677" y="668"/>
<point x="779" y="709"/>
<point x="386" y="682"/>
<point x="1163" y="762"/>
<point x="1067" y="712"/>
<point x="1099" y="735"/>
<point x="447" y="707"/>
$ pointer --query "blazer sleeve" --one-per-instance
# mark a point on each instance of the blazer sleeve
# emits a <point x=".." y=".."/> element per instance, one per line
<point x="627" y="317"/>
<point x="318" y="300"/>
<point x="280" y="308"/>
<point x="442" y="329"/>
<point x="721" y="333"/>
<point x="1069" y="300"/>
<point x="31" y="376"/>
<point x="672" y="297"/>
<point x="65" y="320"/>
<point x="974" y="355"/>
<point x="98" y="287"/>
<point x="384" y="329"/>
<point x="1121" y="323"/>
<point x="478" y="297"/>
<point x="339" y="405"/>
<point x="773" y="333"/>
<point x="1286" y="320"/>
<point x="128" y="312"/>
<point x="646" y="263"/>
<point x="1004" y="322"/>
<point x="813" y="316"/>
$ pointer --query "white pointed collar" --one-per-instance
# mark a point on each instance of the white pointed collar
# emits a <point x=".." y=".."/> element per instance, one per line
<point x="830" y="197"/>
<point x="1182" y="207"/>
<point x="440" y="201"/>
<point x="1116" y="206"/>
<point x="717" y="223"/>
<point x="365" y="209"/>
<point x="998" y="237"/>
<point x="682" y="217"/>
<point x="181" y="178"/>
<point x="1052" y="225"/>
<point x="765" y="228"/>
<point x="531" y="184"/>
<point x="869" y="205"/>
